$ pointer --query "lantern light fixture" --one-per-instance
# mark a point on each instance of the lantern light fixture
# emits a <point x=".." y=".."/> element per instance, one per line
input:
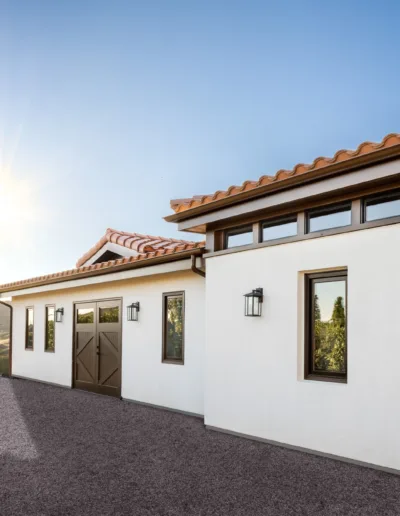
<point x="59" y="314"/>
<point x="253" y="303"/>
<point x="133" y="311"/>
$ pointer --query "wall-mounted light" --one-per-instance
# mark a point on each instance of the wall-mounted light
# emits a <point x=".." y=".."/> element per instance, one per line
<point x="133" y="311"/>
<point x="253" y="303"/>
<point x="59" y="314"/>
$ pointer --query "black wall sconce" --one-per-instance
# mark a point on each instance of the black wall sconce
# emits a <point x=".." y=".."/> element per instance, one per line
<point x="59" y="314"/>
<point x="133" y="311"/>
<point x="253" y="303"/>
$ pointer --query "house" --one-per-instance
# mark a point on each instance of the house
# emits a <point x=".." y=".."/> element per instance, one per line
<point x="282" y="326"/>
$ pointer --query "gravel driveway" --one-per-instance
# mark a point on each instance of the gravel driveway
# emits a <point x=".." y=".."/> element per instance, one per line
<point x="66" y="452"/>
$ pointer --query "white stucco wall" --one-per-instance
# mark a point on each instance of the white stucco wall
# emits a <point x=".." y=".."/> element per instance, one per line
<point x="144" y="377"/>
<point x="254" y="366"/>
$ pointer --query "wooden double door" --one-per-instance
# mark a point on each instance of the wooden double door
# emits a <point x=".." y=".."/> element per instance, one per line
<point x="97" y="347"/>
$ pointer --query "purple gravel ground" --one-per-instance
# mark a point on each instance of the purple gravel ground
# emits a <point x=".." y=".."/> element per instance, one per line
<point x="65" y="452"/>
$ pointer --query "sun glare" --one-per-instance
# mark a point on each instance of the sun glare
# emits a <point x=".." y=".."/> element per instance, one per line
<point x="18" y="208"/>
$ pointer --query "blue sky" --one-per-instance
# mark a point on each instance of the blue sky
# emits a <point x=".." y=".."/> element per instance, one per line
<point x="110" y="109"/>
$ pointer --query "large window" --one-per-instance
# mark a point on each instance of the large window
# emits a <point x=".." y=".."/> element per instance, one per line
<point x="239" y="236"/>
<point x="279" y="229"/>
<point x="29" y="328"/>
<point x="382" y="207"/>
<point x="173" y="327"/>
<point x="49" y="334"/>
<point x="329" y="218"/>
<point x="326" y="323"/>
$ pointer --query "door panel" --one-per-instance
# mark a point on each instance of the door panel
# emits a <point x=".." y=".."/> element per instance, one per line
<point x="85" y="357"/>
<point x="97" y="364"/>
<point x="109" y="340"/>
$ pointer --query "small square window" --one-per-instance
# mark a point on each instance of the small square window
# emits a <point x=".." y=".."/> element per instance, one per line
<point x="382" y="207"/>
<point x="279" y="229"/>
<point x="329" y="218"/>
<point x="238" y="237"/>
<point x="85" y="316"/>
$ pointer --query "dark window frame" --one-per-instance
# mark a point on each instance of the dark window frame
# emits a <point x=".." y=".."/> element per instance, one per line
<point x="287" y="219"/>
<point x="329" y="209"/>
<point x="46" y="349"/>
<point x="239" y="230"/>
<point x="27" y="308"/>
<point x="164" y="357"/>
<point x="309" y="372"/>
<point x="392" y="195"/>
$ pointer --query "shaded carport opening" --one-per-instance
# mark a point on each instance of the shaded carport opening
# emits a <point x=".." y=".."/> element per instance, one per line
<point x="5" y="339"/>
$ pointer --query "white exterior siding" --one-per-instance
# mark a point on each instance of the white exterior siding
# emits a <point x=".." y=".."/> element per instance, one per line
<point x="254" y="366"/>
<point x="144" y="377"/>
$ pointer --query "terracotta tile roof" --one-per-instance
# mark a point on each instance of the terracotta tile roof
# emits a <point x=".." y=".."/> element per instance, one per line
<point x="181" y="205"/>
<point x="134" y="241"/>
<point x="162" y="255"/>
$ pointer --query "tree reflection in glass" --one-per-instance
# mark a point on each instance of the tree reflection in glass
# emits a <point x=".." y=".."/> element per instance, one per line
<point x="174" y="328"/>
<point x="49" y="346"/>
<point x="329" y="330"/>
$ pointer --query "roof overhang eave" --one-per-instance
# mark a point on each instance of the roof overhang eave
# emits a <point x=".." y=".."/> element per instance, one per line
<point x="107" y="270"/>
<point x="313" y="175"/>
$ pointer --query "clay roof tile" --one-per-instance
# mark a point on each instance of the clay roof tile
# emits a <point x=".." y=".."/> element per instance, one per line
<point x="180" y="205"/>
<point x="135" y="241"/>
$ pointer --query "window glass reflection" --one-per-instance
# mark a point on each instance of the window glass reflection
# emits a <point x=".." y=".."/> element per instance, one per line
<point x="109" y="314"/>
<point x="174" y="327"/>
<point x="382" y="209"/>
<point x="319" y="221"/>
<point x="329" y="326"/>
<point x="85" y="316"/>
<point x="280" y="230"/>
<point x="237" y="238"/>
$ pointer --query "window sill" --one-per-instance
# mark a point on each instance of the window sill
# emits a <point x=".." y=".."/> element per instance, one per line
<point x="332" y="379"/>
<point x="171" y="361"/>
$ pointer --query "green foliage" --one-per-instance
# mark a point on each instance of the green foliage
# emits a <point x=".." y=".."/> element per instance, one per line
<point x="109" y="315"/>
<point x="50" y="336"/>
<point x="317" y="309"/>
<point x="4" y="352"/>
<point x="30" y="336"/>
<point x="4" y="364"/>
<point x="85" y="317"/>
<point x="330" y="339"/>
